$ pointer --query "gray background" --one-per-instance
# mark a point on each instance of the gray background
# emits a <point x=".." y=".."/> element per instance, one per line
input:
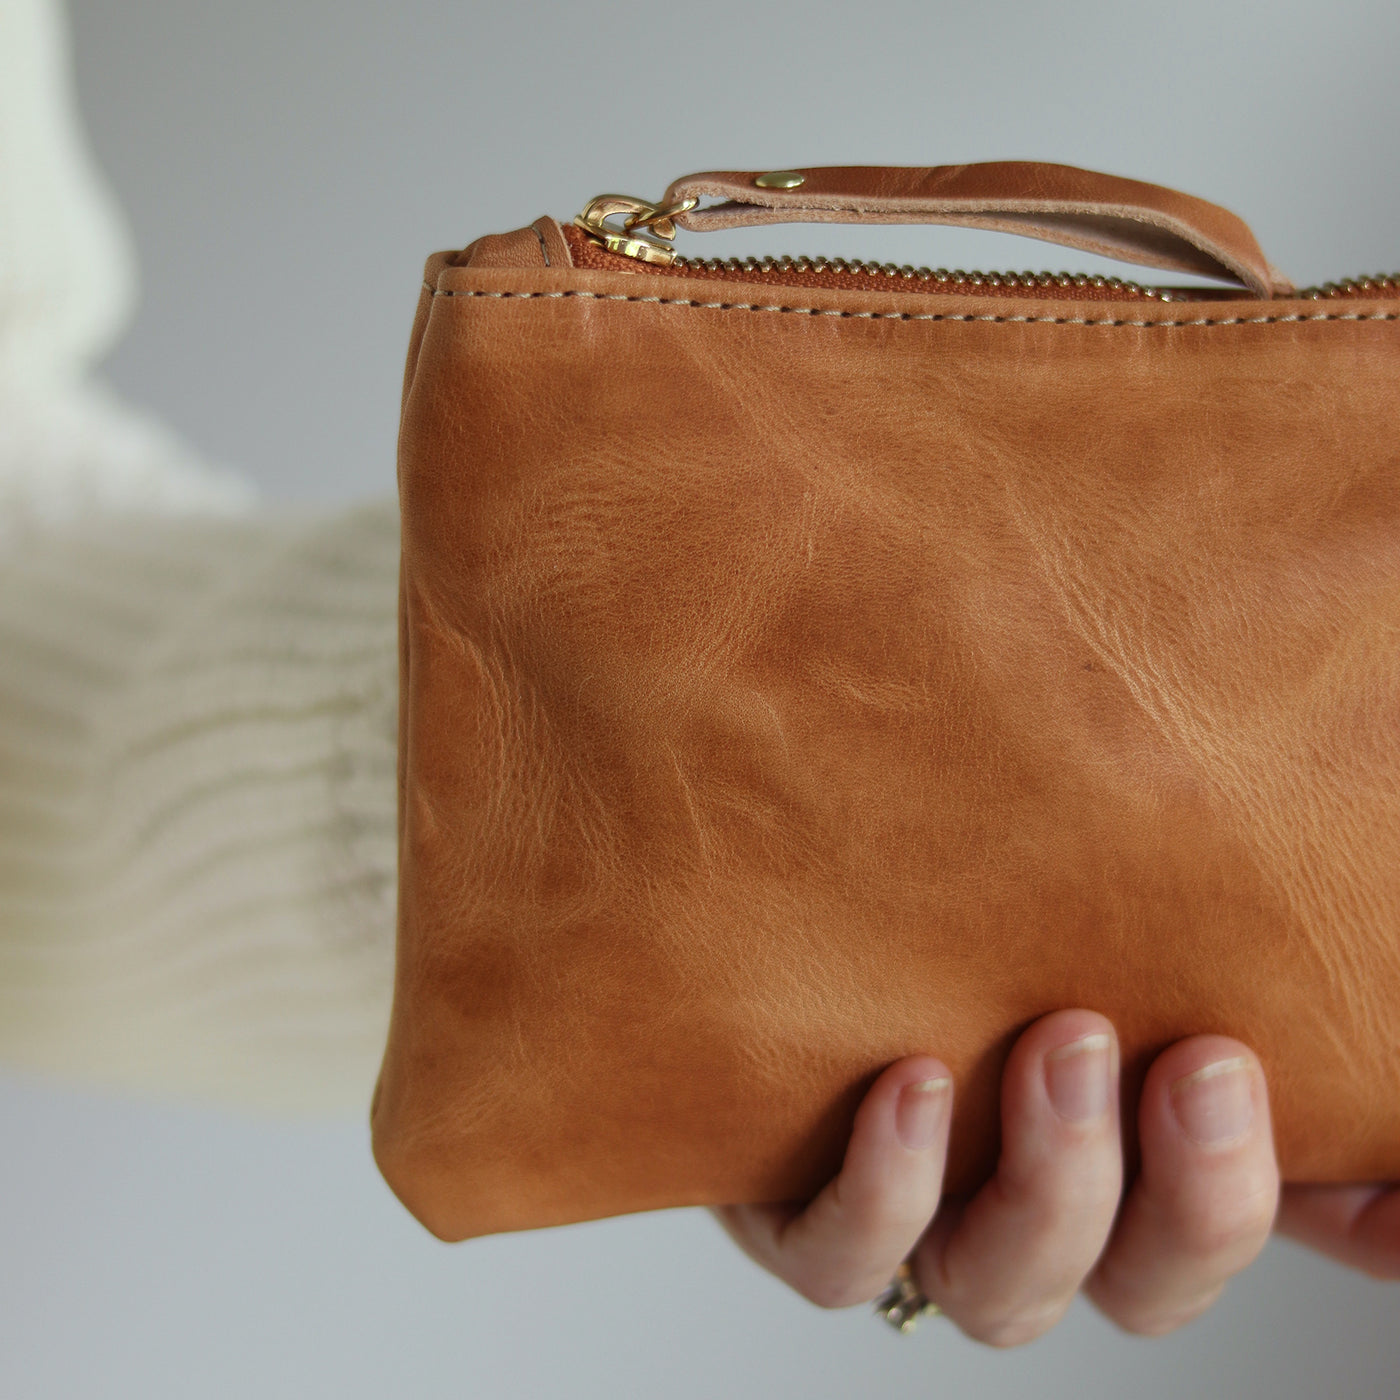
<point x="286" y="167"/>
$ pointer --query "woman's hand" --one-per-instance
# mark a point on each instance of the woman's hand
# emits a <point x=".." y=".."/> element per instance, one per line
<point x="1005" y="1265"/>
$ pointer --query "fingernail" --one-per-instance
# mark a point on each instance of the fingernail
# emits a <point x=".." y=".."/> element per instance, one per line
<point x="1214" y="1105"/>
<point x="1076" y="1078"/>
<point x="919" y="1112"/>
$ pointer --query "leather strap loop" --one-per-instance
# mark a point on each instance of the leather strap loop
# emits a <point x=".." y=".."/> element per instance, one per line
<point x="1106" y="214"/>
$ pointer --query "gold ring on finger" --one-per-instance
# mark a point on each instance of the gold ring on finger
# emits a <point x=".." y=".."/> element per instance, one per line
<point x="903" y="1303"/>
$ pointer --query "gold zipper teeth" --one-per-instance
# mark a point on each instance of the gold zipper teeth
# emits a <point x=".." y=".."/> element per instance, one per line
<point x="1384" y="283"/>
<point x="1032" y="281"/>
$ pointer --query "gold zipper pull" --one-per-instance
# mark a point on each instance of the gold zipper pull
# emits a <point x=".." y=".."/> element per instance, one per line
<point x="647" y="229"/>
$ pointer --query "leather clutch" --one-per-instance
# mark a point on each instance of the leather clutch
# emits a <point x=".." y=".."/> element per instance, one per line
<point x="811" y="662"/>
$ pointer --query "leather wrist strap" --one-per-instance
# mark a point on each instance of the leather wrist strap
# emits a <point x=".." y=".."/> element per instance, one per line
<point x="1106" y="214"/>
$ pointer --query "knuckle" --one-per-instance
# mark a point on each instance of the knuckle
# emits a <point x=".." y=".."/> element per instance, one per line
<point x="1216" y="1221"/>
<point x="1228" y="1228"/>
<point x="831" y="1291"/>
<point x="823" y="1293"/>
<point x="1017" y="1329"/>
<point x="1158" y="1322"/>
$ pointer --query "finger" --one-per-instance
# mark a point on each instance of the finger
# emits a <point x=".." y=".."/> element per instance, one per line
<point x="1356" y="1225"/>
<point x="1204" y="1202"/>
<point x="844" y="1247"/>
<point x="1007" y="1267"/>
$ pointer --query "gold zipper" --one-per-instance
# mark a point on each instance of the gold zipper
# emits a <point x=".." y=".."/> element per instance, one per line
<point x="1380" y="284"/>
<point x="1014" y="281"/>
<point x="647" y="232"/>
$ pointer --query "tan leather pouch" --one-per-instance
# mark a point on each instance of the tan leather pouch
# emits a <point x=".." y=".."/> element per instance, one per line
<point x="807" y="664"/>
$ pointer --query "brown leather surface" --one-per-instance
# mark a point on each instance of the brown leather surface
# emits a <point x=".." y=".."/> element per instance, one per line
<point x="794" y="684"/>
<point x="1105" y="214"/>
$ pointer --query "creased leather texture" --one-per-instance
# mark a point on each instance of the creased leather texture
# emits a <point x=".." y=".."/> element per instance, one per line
<point x="789" y="688"/>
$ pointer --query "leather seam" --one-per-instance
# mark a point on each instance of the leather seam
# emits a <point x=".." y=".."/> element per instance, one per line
<point x="928" y="315"/>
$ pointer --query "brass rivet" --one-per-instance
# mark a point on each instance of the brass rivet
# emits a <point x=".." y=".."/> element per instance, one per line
<point x="780" y="180"/>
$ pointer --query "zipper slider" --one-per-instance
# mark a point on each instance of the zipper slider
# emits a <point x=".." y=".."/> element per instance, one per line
<point x="647" y="229"/>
